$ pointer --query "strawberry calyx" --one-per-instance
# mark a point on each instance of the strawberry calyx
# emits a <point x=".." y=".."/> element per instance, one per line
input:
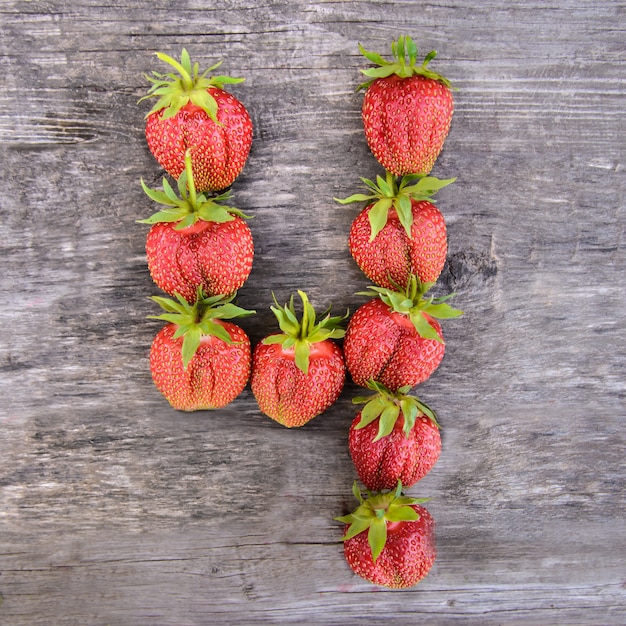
<point x="413" y="303"/>
<point x="396" y="193"/>
<point x="404" y="63"/>
<point x="174" y="91"/>
<point x="387" y="406"/>
<point x="189" y="207"/>
<point x="198" y="319"/>
<point x="300" y="333"/>
<point x="376" y="512"/>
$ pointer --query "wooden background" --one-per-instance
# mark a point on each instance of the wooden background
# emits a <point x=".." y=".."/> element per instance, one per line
<point x="117" y="510"/>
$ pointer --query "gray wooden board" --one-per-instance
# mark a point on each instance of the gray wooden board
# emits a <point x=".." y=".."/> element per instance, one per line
<point x="116" y="509"/>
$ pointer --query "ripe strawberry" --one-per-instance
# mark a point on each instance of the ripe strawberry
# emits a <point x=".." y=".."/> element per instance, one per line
<point x="198" y="361"/>
<point x="401" y="232"/>
<point x="407" y="110"/>
<point x="194" y="113"/>
<point x="395" y="437"/>
<point x="394" y="338"/>
<point x="399" y="548"/>
<point x="299" y="373"/>
<point x="196" y="241"/>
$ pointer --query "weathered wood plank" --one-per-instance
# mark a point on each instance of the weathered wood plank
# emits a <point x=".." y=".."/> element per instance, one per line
<point x="115" y="509"/>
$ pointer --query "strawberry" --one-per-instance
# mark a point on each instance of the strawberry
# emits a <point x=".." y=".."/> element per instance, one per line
<point x="394" y="338"/>
<point x="407" y="109"/>
<point x="196" y="241"/>
<point x="299" y="373"/>
<point x="395" y="437"/>
<point x="193" y="112"/>
<point x="401" y="232"/>
<point x="389" y="539"/>
<point x="199" y="361"/>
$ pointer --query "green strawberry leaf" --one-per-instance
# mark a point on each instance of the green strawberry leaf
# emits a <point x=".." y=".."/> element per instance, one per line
<point x="209" y="327"/>
<point x="442" y="311"/>
<point x="207" y="102"/>
<point x="357" y="526"/>
<point x="302" y="353"/>
<point x="229" y="310"/>
<point x="425" y="187"/>
<point x="387" y="187"/>
<point x="290" y="313"/>
<point x="168" y="304"/>
<point x="378" y="216"/>
<point x="176" y="103"/>
<point x="213" y="67"/>
<point x="370" y="412"/>
<point x="403" y="208"/>
<point x="286" y="321"/>
<point x="161" y="197"/>
<point x="423" y="328"/>
<point x="172" y="318"/>
<point x="357" y="492"/>
<point x="427" y="411"/>
<point x="213" y="212"/>
<point x="186" y="222"/>
<point x="226" y="80"/>
<point x="275" y="339"/>
<point x="357" y="197"/>
<point x="429" y="57"/>
<point x="410" y="410"/>
<point x="181" y="182"/>
<point x="387" y="421"/>
<point x="403" y="513"/>
<point x="170" y="193"/>
<point x="162" y="217"/>
<point x="374" y="57"/>
<point x="411" y="50"/>
<point x="289" y="342"/>
<point x="380" y="72"/>
<point x="191" y="343"/>
<point x="377" y="537"/>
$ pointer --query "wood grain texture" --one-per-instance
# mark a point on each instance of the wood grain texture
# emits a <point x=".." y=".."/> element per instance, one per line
<point x="115" y="509"/>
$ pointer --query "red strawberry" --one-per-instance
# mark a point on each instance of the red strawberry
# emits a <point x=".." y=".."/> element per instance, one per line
<point x="389" y="539"/>
<point x="401" y="232"/>
<point x="299" y="373"/>
<point x="194" y="113"/>
<point x="407" y="110"/>
<point x="198" y="361"/>
<point x="394" y="338"/>
<point x="394" y="438"/>
<point x="196" y="241"/>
